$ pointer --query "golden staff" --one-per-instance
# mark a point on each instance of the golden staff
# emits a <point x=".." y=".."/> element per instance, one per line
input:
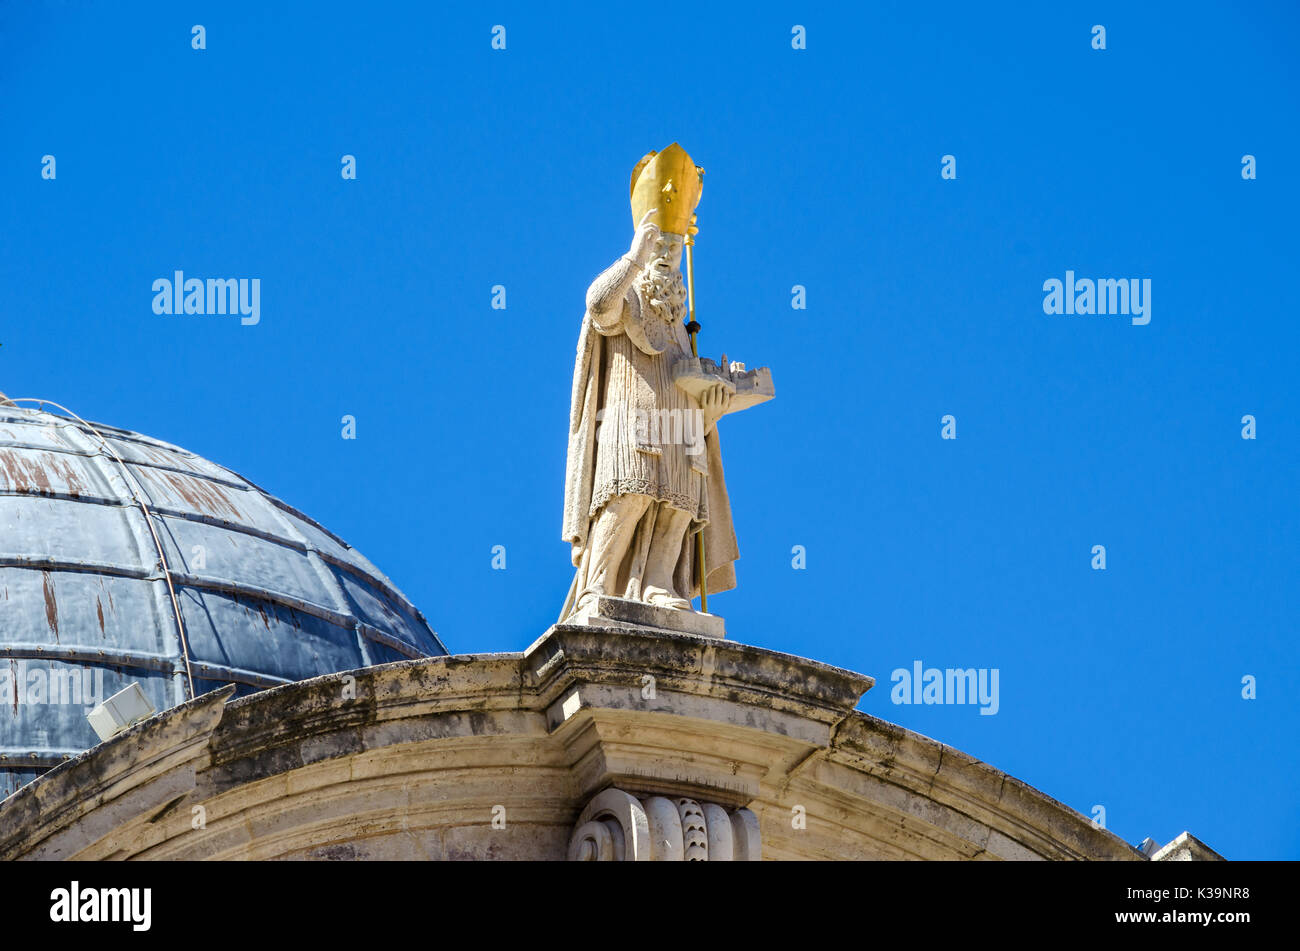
<point x="693" y="328"/>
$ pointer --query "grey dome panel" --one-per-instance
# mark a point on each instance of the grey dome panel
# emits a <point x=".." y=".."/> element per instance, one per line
<point x="266" y="595"/>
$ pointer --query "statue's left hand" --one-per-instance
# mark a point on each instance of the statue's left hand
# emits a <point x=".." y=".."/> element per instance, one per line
<point x="714" y="403"/>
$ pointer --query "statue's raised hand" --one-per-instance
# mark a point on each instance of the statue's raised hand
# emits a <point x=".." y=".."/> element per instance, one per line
<point x="643" y="242"/>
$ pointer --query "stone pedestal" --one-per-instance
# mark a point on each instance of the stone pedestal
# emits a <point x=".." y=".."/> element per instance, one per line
<point x="619" y="612"/>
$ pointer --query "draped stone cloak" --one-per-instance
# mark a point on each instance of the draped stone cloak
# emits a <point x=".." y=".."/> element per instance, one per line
<point x="588" y="411"/>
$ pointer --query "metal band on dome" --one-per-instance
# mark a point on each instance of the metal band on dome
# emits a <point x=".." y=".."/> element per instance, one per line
<point x="137" y="492"/>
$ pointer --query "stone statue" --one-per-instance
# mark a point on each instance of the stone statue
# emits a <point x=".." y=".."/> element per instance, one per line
<point x="644" y="474"/>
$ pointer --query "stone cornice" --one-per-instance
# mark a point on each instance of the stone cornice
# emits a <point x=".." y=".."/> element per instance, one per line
<point x="415" y="759"/>
<point x="136" y="771"/>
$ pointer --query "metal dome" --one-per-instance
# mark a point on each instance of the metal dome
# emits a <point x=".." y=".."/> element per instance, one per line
<point x="106" y="536"/>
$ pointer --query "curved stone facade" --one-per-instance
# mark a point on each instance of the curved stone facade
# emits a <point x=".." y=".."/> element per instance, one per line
<point x="670" y="743"/>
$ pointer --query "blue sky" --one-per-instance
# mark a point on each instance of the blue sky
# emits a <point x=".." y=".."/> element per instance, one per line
<point x="476" y="167"/>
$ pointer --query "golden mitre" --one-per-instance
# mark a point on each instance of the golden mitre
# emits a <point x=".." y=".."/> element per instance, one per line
<point x="670" y="182"/>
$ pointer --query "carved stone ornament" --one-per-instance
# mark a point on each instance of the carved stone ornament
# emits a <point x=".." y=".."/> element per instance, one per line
<point x="618" y="827"/>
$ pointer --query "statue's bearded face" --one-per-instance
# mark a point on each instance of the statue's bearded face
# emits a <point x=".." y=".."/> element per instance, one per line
<point x="661" y="283"/>
<point x="668" y="250"/>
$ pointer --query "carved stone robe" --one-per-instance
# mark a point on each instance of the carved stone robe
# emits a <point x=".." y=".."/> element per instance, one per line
<point x="630" y="433"/>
